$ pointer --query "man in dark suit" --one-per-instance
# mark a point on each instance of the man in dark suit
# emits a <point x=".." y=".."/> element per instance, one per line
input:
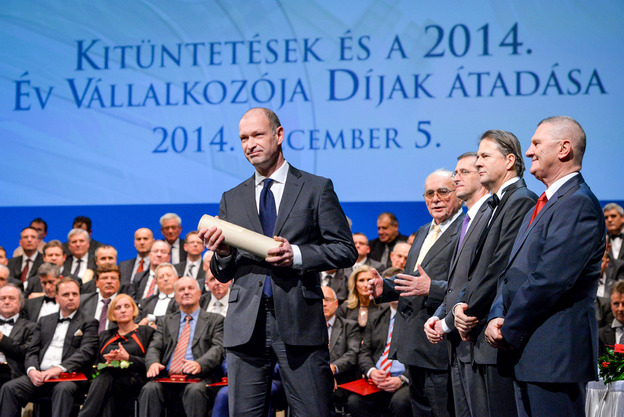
<point x="613" y="332"/>
<point x="389" y="375"/>
<point x="422" y="288"/>
<point x="363" y="249"/>
<point x="500" y="166"/>
<point x="275" y="306"/>
<point x="163" y="303"/>
<point x="188" y="342"/>
<point x="25" y="266"/>
<point x="53" y="254"/>
<point x="337" y="281"/>
<point x="64" y="342"/>
<point x="81" y="260"/>
<point x="84" y="223"/>
<point x="144" y="284"/>
<point x="104" y="255"/>
<point x="344" y="340"/>
<point x="171" y="227"/>
<point x="143" y="240"/>
<point x="49" y="275"/>
<point x="388" y="236"/>
<point x="15" y="333"/>
<point x="546" y="295"/>
<point x="474" y="195"/>
<point x="95" y="304"/>
<point x="192" y="265"/>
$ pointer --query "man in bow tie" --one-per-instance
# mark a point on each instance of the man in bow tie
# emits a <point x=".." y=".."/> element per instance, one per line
<point x="35" y="308"/>
<point x="62" y="342"/>
<point x="15" y="333"/>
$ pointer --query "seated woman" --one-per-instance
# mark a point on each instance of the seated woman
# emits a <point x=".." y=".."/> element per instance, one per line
<point x="112" y="392"/>
<point x="358" y="304"/>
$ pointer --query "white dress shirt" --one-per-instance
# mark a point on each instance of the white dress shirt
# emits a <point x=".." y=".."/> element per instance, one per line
<point x="6" y="331"/>
<point x="219" y="306"/>
<point x="152" y="277"/>
<point x="54" y="355"/>
<point x="83" y="265"/>
<point x="48" y="307"/>
<point x="162" y="304"/>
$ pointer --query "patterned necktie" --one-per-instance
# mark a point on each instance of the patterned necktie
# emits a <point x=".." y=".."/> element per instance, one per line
<point x="190" y="271"/>
<point x="386" y="363"/>
<point x="268" y="216"/>
<point x="177" y="363"/>
<point x="151" y="289"/>
<point x="429" y="242"/>
<point x="24" y="273"/>
<point x="102" y="324"/>
<point x="538" y="207"/>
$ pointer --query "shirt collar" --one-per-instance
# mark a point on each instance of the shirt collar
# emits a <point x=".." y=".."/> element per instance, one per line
<point x="279" y="175"/>
<point x="223" y="300"/>
<point x="194" y="314"/>
<point x="163" y="296"/>
<point x="15" y="317"/>
<point x="446" y="223"/>
<point x="501" y="191"/>
<point x="554" y="187"/>
<point x="616" y="323"/>
<point x="472" y="212"/>
<point x="332" y="321"/>
<point x="71" y="316"/>
<point x="100" y="298"/>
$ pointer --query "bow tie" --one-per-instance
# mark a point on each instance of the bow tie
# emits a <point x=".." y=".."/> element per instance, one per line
<point x="64" y="319"/>
<point x="162" y="296"/>
<point x="493" y="201"/>
<point x="47" y="299"/>
<point x="618" y="236"/>
<point x="9" y="321"/>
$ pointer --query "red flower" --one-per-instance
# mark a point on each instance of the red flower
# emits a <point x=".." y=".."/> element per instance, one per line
<point x="618" y="348"/>
<point x="605" y="364"/>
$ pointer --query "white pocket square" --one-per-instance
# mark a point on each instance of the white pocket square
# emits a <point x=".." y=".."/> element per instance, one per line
<point x="78" y="333"/>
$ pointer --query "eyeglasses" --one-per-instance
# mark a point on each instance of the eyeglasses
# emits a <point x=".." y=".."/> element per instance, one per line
<point x="443" y="193"/>
<point x="462" y="173"/>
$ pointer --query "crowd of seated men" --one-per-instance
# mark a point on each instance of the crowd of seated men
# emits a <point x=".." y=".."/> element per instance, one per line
<point x="66" y="307"/>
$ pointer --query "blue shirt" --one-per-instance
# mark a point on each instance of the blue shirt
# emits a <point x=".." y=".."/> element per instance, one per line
<point x="193" y="323"/>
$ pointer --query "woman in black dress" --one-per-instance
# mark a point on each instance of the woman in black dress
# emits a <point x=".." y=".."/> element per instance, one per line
<point x="112" y="393"/>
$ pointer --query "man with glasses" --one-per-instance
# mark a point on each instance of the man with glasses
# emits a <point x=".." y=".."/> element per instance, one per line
<point x="420" y="290"/>
<point x="500" y="167"/>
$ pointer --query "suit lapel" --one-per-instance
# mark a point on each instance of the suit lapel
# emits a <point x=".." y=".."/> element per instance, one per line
<point x="173" y="327"/>
<point x="48" y="327"/>
<point x="444" y="239"/>
<point x="483" y="211"/>
<point x="200" y="327"/>
<point x="419" y="239"/>
<point x="335" y="333"/>
<point x="17" y="328"/>
<point x="525" y="229"/>
<point x="74" y="325"/>
<point x="249" y="200"/>
<point x="292" y="188"/>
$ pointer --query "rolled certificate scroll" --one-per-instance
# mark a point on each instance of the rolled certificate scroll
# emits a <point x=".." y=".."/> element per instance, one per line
<point x="239" y="237"/>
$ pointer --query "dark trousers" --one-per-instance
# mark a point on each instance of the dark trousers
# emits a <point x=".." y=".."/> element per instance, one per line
<point x="197" y="398"/>
<point x="541" y="399"/>
<point x="490" y="394"/>
<point x="430" y="392"/>
<point x="17" y="393"/>
<point x="304" y="370"/>
<point x="395" y="404"/>
<point x="461" y="393"/>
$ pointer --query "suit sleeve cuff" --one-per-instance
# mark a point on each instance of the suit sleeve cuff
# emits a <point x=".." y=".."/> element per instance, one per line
<point x="31" y="368"/>
<point x="445" y="327"/>
<point x="369" y="372"/>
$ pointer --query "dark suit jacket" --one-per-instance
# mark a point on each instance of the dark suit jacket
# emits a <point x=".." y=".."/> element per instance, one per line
<point x="32" y="308"/>
<point x="125" y="270"/>
<point x="181" y="250"/>
<point x="458" y="276"/>
<point x="491" y="259"/>
<point x="79" y="349"/>
<point x="15" y="266"/>
<point x="606" y="337"/>
<point x="88" y="305"/>
<point x="147" y="306"/>
<point x="67" y="266"/>
<point x="137" y="288"/>
<point x="344" y="346"/>
<point x="207" y="343"/>
<point x="201" y="274"/>
<point x="375" y="338"/>
<point x="309" y="216"/>
<point x="548" y="288"/>
<point x="377" y="247"/>
<point x="15" y="344"/>
<point x="409" y="342"/>
<point x="338" y="283"/>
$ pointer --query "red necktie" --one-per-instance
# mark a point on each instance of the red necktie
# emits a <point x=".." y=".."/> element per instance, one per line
<point x="385" y="362"/>
<point x="180" y="350"/>
<point x="24" y="273"/>
<point x="538" y="207"/>
<point x="140" y="268"/>
<point x="150" y="291"/>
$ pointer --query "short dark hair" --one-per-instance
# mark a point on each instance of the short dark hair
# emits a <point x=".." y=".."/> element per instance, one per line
<point x="64" y="280"/>
<point x="40" y="220"/>
<point x="618" y="288"/>
<point x="507" y="143"/>
<point x="107" y="268"/>
<point x="393" y="219"/>
<point x="82" y="220"/>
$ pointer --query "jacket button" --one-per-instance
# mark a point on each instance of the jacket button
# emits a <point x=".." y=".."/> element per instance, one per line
<point x="450" y="290"/>
<point x="260" y="284"/>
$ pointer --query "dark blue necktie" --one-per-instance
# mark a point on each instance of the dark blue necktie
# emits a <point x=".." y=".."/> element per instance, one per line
<point x="268" y="215"/>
